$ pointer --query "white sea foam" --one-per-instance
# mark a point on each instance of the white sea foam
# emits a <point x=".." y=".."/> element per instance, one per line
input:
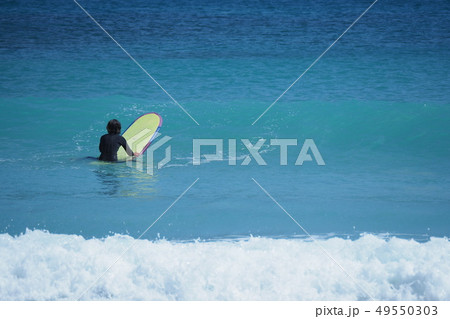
<point x="42" y="266"/>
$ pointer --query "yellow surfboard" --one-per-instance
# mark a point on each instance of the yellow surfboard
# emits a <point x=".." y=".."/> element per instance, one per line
<point x="140" y="134"/>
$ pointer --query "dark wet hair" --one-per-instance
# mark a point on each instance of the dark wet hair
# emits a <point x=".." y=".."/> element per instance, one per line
<point x="114" y="127"/>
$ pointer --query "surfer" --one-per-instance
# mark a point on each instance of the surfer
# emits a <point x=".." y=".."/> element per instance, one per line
<point x="111" y="142"/>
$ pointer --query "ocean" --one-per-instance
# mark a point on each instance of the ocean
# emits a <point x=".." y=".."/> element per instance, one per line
<point x="371" y="223"/>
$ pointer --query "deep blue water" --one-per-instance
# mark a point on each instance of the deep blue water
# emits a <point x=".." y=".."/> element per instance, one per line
<point x="376" y="105"/>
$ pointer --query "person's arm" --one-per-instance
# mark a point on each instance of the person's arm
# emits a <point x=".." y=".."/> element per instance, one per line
<point x="127" y="147"/>
<point x="100" y="144"/>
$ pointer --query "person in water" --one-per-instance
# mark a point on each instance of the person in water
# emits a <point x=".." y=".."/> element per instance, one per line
<point x="111" y="142"/>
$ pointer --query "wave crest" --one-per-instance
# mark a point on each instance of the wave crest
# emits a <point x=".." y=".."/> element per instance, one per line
<point x="42" y="266"/>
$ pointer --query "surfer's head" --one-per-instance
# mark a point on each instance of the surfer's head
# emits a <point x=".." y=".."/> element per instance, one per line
<point x="114" y="127"/>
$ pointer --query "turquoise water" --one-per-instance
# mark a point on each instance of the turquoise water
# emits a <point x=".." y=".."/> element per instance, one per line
<point x="376" y="105"/>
